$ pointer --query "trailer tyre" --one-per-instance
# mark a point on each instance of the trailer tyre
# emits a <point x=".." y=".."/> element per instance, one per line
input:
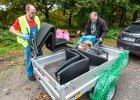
<point x="111" y="93"/>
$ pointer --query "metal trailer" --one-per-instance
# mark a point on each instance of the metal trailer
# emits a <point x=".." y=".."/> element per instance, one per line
<point x="75" y="88"/>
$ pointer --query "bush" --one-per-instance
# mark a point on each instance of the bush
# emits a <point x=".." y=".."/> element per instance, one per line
<point x="7" y="41"/>
<point x="6" y="38"/>
<point x="3" y="27"/>
<point x="113" y="33"/>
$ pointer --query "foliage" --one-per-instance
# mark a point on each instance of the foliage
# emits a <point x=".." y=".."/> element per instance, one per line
<point x="69" y="8"/>
<point x="75" y="12"/>
<point x="16" y="8"/>
<point x="58" y="19"/>
<point x="113" y="33"/>
<point x="7" y="41"/>
<point x="4" y="27"/>
<point x="6" y="38"/>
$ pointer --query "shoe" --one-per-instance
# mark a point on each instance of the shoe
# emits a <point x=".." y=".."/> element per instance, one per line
<point x="32" y="78"/>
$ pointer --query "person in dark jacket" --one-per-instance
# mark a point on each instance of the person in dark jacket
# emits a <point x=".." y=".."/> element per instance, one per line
<point x="96" y="27"/>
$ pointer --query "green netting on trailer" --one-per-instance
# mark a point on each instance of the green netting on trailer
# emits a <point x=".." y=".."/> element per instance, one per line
<point x="109" y="79"/>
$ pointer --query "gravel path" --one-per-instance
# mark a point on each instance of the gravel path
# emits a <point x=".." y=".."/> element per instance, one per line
<point x="129" y="82"/>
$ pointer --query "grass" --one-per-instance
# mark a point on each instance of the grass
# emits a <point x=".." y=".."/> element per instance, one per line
<point x="10" y="48"/>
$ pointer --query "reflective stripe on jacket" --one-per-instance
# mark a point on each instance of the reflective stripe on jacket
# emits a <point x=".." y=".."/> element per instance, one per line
<point x="25" y="29"/>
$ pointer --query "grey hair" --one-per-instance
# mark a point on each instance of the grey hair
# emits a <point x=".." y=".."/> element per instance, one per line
<point x="28" y="7"/>
<point x="94" y="12"/>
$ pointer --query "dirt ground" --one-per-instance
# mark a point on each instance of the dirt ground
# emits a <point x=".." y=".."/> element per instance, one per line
<point x="14" y="84"/>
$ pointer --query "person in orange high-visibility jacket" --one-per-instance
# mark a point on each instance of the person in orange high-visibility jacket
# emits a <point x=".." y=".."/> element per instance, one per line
<point x="25" y="28"/>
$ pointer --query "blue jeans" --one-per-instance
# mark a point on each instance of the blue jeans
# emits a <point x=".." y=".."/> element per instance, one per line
<point x="29" y="66"/>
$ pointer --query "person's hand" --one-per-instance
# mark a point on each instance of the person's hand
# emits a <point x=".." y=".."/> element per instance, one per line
<point x="24" y="36"/>
<point x="100" y="39"/>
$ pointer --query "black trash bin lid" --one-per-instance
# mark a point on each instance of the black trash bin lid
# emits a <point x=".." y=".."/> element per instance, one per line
<point x="43" y="34"/>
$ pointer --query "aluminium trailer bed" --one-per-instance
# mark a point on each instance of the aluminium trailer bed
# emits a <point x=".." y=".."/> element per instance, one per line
<point x="46" y="65"/>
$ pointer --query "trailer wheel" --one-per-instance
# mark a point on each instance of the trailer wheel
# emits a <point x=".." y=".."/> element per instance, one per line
<point x="111" y="93"/>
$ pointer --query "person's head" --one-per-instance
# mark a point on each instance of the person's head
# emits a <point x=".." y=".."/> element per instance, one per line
<point x="93" y="16"/>
<point x="30" y="11"/>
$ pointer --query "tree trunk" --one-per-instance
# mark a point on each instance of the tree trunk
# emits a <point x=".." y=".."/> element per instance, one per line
<point x="70" y="17"/>
<point x="111" y="16"/>
<point x="47" y="8"/>
<point x="47" y="14"/>
<point x="122" y="17"/>
<point x="135" y="15"/>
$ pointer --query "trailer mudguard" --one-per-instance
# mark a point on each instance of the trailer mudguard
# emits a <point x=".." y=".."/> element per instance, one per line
<point x="46" y="35"/>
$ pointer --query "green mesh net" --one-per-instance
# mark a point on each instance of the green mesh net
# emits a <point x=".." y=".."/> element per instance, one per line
<point x="109" y="79"/>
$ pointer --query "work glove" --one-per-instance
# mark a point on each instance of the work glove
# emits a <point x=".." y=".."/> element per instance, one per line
<point x="100" y="40"/>
<point x="24" y="36"/>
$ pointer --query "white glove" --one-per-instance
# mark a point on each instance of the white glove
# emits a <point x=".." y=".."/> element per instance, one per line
<point x="100" y="39"/>
<point x="24" y="36"/>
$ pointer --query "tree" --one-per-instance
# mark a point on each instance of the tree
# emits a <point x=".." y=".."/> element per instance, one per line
<point x="69" y="7"/>
<point x="16" y="8"/>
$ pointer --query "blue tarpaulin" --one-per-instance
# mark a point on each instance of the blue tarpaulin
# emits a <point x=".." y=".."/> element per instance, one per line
<point x="87" y="38"/>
